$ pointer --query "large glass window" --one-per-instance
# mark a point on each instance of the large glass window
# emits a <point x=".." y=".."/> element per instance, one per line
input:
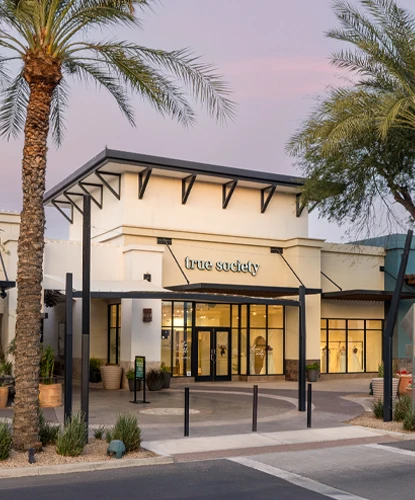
<point x="257" y="335"/>
<point x="114" y="333"/>
<point x="352" y="345"/>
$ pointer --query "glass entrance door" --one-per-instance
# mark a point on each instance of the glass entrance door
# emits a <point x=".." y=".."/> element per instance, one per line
<point x="213" y="351"/>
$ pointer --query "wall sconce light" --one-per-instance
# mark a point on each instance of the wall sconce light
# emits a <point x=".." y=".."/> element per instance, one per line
<point x="147" y="277"/>
<point x="147" y="315"/>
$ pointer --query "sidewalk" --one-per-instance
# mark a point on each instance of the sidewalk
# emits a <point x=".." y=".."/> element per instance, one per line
<point x="194" y="448"/>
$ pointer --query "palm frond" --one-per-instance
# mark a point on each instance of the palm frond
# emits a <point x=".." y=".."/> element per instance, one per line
<point x="57" y="111"/>
<point x="13" y="105"/>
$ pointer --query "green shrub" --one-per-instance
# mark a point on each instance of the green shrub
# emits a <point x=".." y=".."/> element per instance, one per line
<point x="313" y="366"/>
<point x="48" y="433"/>
<point x="99" y="432"/>
<point x="409" y="421"/>
<point x="126" y="429"/>
<point x="5" y="441"/>
<point x="402" y="408"/>
<point x="72" y="440"/>
<point x="95" y="364"/>
<point x="47" y="365"/>
<point x="377" y="408"/>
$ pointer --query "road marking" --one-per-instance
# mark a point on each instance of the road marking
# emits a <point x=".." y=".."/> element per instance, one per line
<point x="391" y="449"/>
<point x="303" y="482"/>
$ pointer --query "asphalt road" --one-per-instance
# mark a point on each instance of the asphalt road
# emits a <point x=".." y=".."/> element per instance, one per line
<point x="364" y="472"/>
<point x="217" y="479"/>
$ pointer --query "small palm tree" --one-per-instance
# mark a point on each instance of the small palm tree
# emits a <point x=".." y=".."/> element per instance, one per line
<point x="50" y="41"/>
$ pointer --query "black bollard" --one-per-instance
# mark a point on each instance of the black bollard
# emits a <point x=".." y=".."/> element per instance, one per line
<point x="255" y="410"/>
<point x="309" y="406"/>
<point x="186" y="411"/>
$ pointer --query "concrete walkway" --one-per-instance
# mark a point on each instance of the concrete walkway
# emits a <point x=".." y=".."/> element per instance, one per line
<point x="224" y="409"/>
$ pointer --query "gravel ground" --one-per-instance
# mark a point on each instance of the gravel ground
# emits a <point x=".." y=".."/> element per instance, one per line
<point x="95" y="451"/>
<point x="367" y="419"/>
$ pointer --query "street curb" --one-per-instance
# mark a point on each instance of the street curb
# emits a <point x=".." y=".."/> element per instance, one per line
<point x="45" y="470"/>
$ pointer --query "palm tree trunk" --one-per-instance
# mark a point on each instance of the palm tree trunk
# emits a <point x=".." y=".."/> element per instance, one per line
<point x="30" y="266"/>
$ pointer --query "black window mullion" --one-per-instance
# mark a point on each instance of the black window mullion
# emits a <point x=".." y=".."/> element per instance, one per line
<point x="266" y="340"/>
<point x="347" y="346"/>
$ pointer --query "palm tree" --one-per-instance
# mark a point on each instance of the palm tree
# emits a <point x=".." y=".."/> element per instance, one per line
<point x="50" y="41"/>
<point x="358" y="145"/>
<point x="382" y="63"/>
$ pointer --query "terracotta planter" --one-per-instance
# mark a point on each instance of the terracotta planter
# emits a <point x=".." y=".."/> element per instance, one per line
<point x="4" y="396"/>
<point x="50" y="395"/>
<point x="377" y="386"/>
<point x="404" y="381"/>
<point x="111" y="377"/>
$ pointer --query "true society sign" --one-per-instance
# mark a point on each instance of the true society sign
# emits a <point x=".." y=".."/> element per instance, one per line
<point x="220" y="266"/>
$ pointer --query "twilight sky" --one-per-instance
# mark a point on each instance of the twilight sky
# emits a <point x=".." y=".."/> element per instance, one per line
<point x="274" y="54"/>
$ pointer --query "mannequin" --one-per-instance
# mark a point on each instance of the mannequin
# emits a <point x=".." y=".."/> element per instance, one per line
<point x="355" y="365"/>
<point x="342" y="358"/>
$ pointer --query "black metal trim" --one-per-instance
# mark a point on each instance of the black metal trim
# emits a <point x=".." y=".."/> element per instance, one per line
<point x="111" y="155"/>
<point x="143" y="178"/>
<point x="6" y="285"/>
<point x="55" y="204"/>
<point x="189" y="297"/>
<point x="266" y="196"/>
<point x="82" y="185"/>
<point x="227" y="191"/>
<point x="331" y="281"/>
<point x="187" y="185"/>
<point x="68" y="195"/>
<point x="279" y="291"/>
<point x="107" y="184"/>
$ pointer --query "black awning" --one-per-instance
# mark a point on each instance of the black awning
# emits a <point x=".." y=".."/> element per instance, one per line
<point x="191" y="297"/>
<point x="242" y="290"/>
<point x="365" y="295"/>
<point x="6" y="285"/>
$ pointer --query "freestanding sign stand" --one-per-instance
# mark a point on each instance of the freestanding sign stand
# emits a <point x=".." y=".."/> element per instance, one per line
<point x="140" y="374"/>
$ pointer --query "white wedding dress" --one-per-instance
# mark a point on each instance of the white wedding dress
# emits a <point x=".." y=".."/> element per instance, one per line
<point x="355" y="365"/>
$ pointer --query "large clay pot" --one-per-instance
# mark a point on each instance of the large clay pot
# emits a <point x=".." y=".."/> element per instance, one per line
<point x="404" y="381"/>
<point x="50" y="395"/>
<point x="377" y="386"/>
<point x="111" y="377"/>
<point x="4" y="396"/>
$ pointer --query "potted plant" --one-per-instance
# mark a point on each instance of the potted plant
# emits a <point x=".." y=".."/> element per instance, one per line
<point x="50" y="391"/>
<point x="166" y="371"/>
<point x="95" y="370"/>
<point x="130" y="377"/>
<point x="312" y="371"/>
<point x="111" y="377"/>
<point x="4" y="388"/>
<point x="377" y="384"/>
<point x="154" y="380"/>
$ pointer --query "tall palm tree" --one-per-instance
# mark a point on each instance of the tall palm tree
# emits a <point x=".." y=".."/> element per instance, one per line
<point x="381" y="60"/>
<point x="358" y="145"/>
<point x="50" y="41"/>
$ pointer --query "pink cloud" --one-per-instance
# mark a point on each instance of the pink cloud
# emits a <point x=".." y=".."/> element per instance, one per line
<point x="279" y="77"/>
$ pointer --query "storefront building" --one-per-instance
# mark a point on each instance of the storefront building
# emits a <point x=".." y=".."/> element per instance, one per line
<point x="198" y="267"/>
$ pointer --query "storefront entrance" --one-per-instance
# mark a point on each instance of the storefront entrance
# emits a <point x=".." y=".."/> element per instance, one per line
<point x="213" y="354"/>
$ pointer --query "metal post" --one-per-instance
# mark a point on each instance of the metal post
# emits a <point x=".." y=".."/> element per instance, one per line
<point x="309" y="405"/>
<point x="86" y="306"/>
<point x="68" y="348"/>
<point x="186" y="411"/>
<point x="388" y="332"/>
<point x="255" y="410"/>
<point x="302" y="352"/>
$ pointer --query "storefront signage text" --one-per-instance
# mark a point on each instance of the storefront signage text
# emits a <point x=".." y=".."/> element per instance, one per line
<point x="234" y="267"/>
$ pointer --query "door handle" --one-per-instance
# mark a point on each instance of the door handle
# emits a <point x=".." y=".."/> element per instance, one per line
<point x="212" y="355"/>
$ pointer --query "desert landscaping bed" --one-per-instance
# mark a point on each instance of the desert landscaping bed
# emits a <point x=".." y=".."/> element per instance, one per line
<point x="367" y="419"/>
<point x="94" y="451"/>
